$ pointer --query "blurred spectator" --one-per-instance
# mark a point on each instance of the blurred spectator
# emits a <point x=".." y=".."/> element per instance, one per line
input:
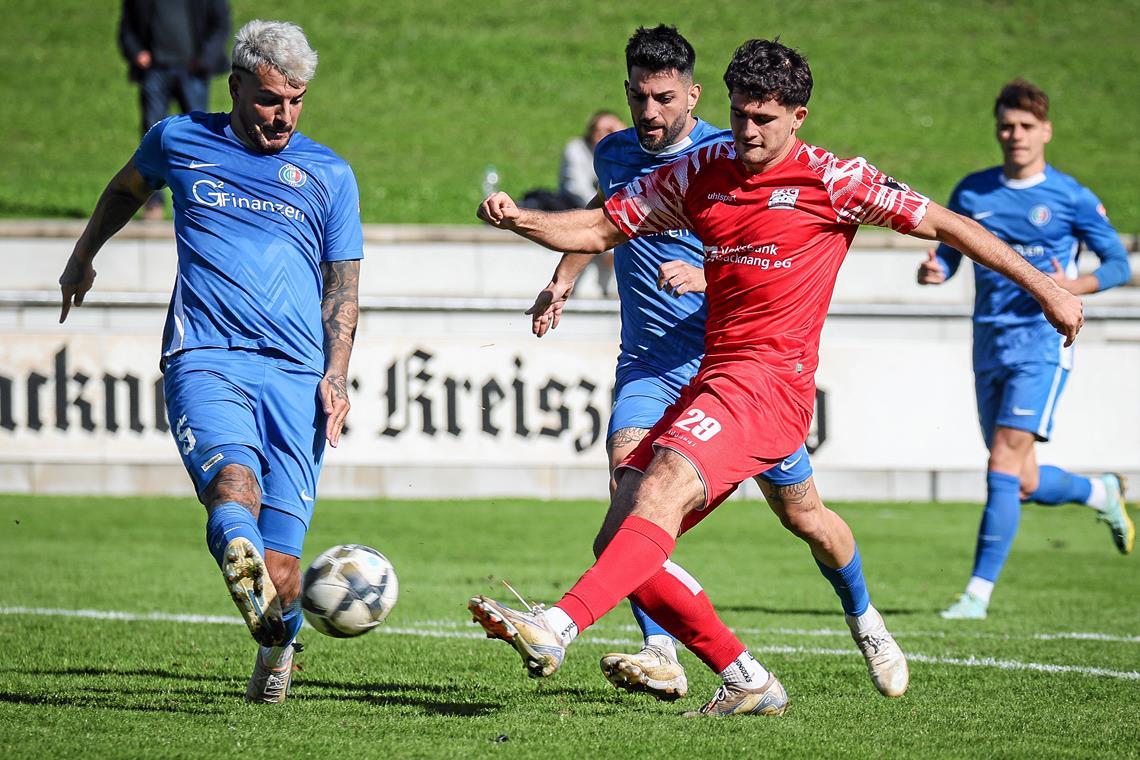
<point x="173" y="47"/>
<point x="578" y="184"/>
<point x="576" y="179"/>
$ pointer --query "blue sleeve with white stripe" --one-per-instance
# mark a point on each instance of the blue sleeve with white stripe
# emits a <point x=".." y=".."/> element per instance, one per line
<point x="1096" y="232"/>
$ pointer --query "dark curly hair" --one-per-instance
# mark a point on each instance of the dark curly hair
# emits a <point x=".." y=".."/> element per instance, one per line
<point x="1023" y="95"/>
<point x="765" y="69"/>
<point x="661" y="48"/>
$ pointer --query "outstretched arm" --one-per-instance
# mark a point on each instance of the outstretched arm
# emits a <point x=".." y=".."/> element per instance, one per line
<point x="1062" y="309"/>
<point x="124" y="195"/>
<point x="582" y="230"/>
<point x="340" y="311"/>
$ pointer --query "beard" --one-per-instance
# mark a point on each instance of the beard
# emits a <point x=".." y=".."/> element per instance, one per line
<point x="668" y="136"/>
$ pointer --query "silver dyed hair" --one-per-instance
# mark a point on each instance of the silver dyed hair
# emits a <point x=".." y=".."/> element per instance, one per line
<point x="277" y="44"/>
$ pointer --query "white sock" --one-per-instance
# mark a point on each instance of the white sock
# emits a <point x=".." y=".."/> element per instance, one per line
<point x="980" y="588"/>
<point x="869" y="619"/>
<point x="275" y="657"/>
<point x="561" y="622"/>
<point x="745" y="670"/>
<point x="1098" y="496"/>
<point x="665" y="643"/>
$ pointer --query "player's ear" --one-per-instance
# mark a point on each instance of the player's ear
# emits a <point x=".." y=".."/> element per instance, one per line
<point x="1047" y="131"/>
<point x="694" y="95"/>
<point x="799" y="113"/>
<point x="235" y="85"/>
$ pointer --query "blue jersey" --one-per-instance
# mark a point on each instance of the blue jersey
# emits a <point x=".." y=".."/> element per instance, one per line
<point x="1043" y="218"/>
<point x="252" y="230"/>
<point x="659" y="330"/>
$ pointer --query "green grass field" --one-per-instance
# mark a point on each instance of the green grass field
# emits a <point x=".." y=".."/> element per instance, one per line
<point x="422" y="96"/>
<point x="1051" y="673"/>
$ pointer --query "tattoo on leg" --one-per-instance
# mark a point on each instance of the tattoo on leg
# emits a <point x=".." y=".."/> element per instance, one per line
<point x="626" y="436"/>
<point x="234" y="483"/>
<point x="793" y="494"/>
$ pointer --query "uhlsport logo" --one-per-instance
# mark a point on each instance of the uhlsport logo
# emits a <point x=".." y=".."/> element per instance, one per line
<point x="1040" y="215"/>
<point x="784" y="197"/>
<point x="291" y="175"/>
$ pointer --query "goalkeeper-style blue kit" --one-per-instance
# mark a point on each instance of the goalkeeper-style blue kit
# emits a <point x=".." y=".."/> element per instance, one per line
<point x="243" y="346"/>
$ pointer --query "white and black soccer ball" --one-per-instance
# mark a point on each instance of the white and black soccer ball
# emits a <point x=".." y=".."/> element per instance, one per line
<point x="349" y="590"/>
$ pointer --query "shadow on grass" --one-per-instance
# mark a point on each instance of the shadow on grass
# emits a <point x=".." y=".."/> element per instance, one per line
<point x="425" y="697"/>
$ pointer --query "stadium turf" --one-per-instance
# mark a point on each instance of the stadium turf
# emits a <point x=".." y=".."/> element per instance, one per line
<point x="1051" y="673"/>
<point x="420" y="96"/>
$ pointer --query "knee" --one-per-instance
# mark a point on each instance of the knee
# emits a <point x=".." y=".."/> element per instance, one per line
<point x="236" y="483"/>
<point x="285" y="572"/>
<point x="804" y="521"/>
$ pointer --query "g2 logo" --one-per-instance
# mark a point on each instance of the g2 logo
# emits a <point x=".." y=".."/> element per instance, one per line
<point x="699" y="424"/>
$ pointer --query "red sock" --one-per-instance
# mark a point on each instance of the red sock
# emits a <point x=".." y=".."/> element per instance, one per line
<point x="675" y="600"/>
<point x="636" y="552"/>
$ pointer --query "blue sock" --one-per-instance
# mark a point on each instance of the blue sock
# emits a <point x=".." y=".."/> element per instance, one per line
<point x="999" y="524"/>
<point x="1056" y="486"/>
<point x="293" y="618"/>
<point x="645" y="623"/>
<point x="228" y="521"/>
<point x="849" y="584"/>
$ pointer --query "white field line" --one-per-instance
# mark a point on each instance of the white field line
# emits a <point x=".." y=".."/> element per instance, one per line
<point x="437" y="632"/>
<point x="843" y="633"/>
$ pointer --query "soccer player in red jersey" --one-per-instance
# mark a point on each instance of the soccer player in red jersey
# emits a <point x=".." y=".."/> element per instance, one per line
<point x="777" y="217"/>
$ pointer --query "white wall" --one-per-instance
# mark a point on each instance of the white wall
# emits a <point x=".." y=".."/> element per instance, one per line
<point x="899" y="412"/>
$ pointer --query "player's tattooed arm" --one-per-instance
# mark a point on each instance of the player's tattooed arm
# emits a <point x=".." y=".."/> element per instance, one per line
<point x="340" y="311"/>
<point x="123" y="196"/>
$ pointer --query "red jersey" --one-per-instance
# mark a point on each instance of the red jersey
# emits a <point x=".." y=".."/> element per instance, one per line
<point x="773" y="245"/>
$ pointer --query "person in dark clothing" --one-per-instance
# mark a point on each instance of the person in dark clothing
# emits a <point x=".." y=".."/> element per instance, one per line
<point x="173" y="47"/>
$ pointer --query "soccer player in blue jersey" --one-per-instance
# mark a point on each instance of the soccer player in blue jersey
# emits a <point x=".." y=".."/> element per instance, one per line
<point x="261" y="322"/>
<point x="1020" y="365"/>
<point x="661" y="283"/>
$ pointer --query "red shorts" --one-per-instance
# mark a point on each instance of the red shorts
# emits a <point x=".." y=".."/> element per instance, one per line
<point x="729" y="431"/>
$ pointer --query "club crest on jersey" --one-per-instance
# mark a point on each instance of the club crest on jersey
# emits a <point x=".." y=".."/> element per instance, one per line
<point x="784" y="197"/>
<point x="1040" y="215"/>
<point x="292" y="176"/>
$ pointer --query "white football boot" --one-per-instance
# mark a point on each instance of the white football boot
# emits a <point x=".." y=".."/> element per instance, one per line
<point x="529" y="632"/>
<point x="885" y="660"/>
<point x="736" y="699"/>
<point x="253" y="592"/>
<point x="271" y="685"/>
<point x="652" y="671"/>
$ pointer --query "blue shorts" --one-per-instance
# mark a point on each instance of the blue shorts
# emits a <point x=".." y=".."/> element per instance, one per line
<point x="641" y="396"/>
<point x="1022" y="397"/>
<point x="260" y="411"/>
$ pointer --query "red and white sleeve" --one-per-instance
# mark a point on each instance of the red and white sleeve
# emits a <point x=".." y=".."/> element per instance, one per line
<point x="861" y="194"/>
<point x="652" y="204"/>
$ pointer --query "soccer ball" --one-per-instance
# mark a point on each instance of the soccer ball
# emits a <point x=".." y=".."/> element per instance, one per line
<point x="349" y="590"/>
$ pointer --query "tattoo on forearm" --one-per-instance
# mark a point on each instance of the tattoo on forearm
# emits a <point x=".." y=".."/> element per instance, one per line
<point x="340" y="311"/>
